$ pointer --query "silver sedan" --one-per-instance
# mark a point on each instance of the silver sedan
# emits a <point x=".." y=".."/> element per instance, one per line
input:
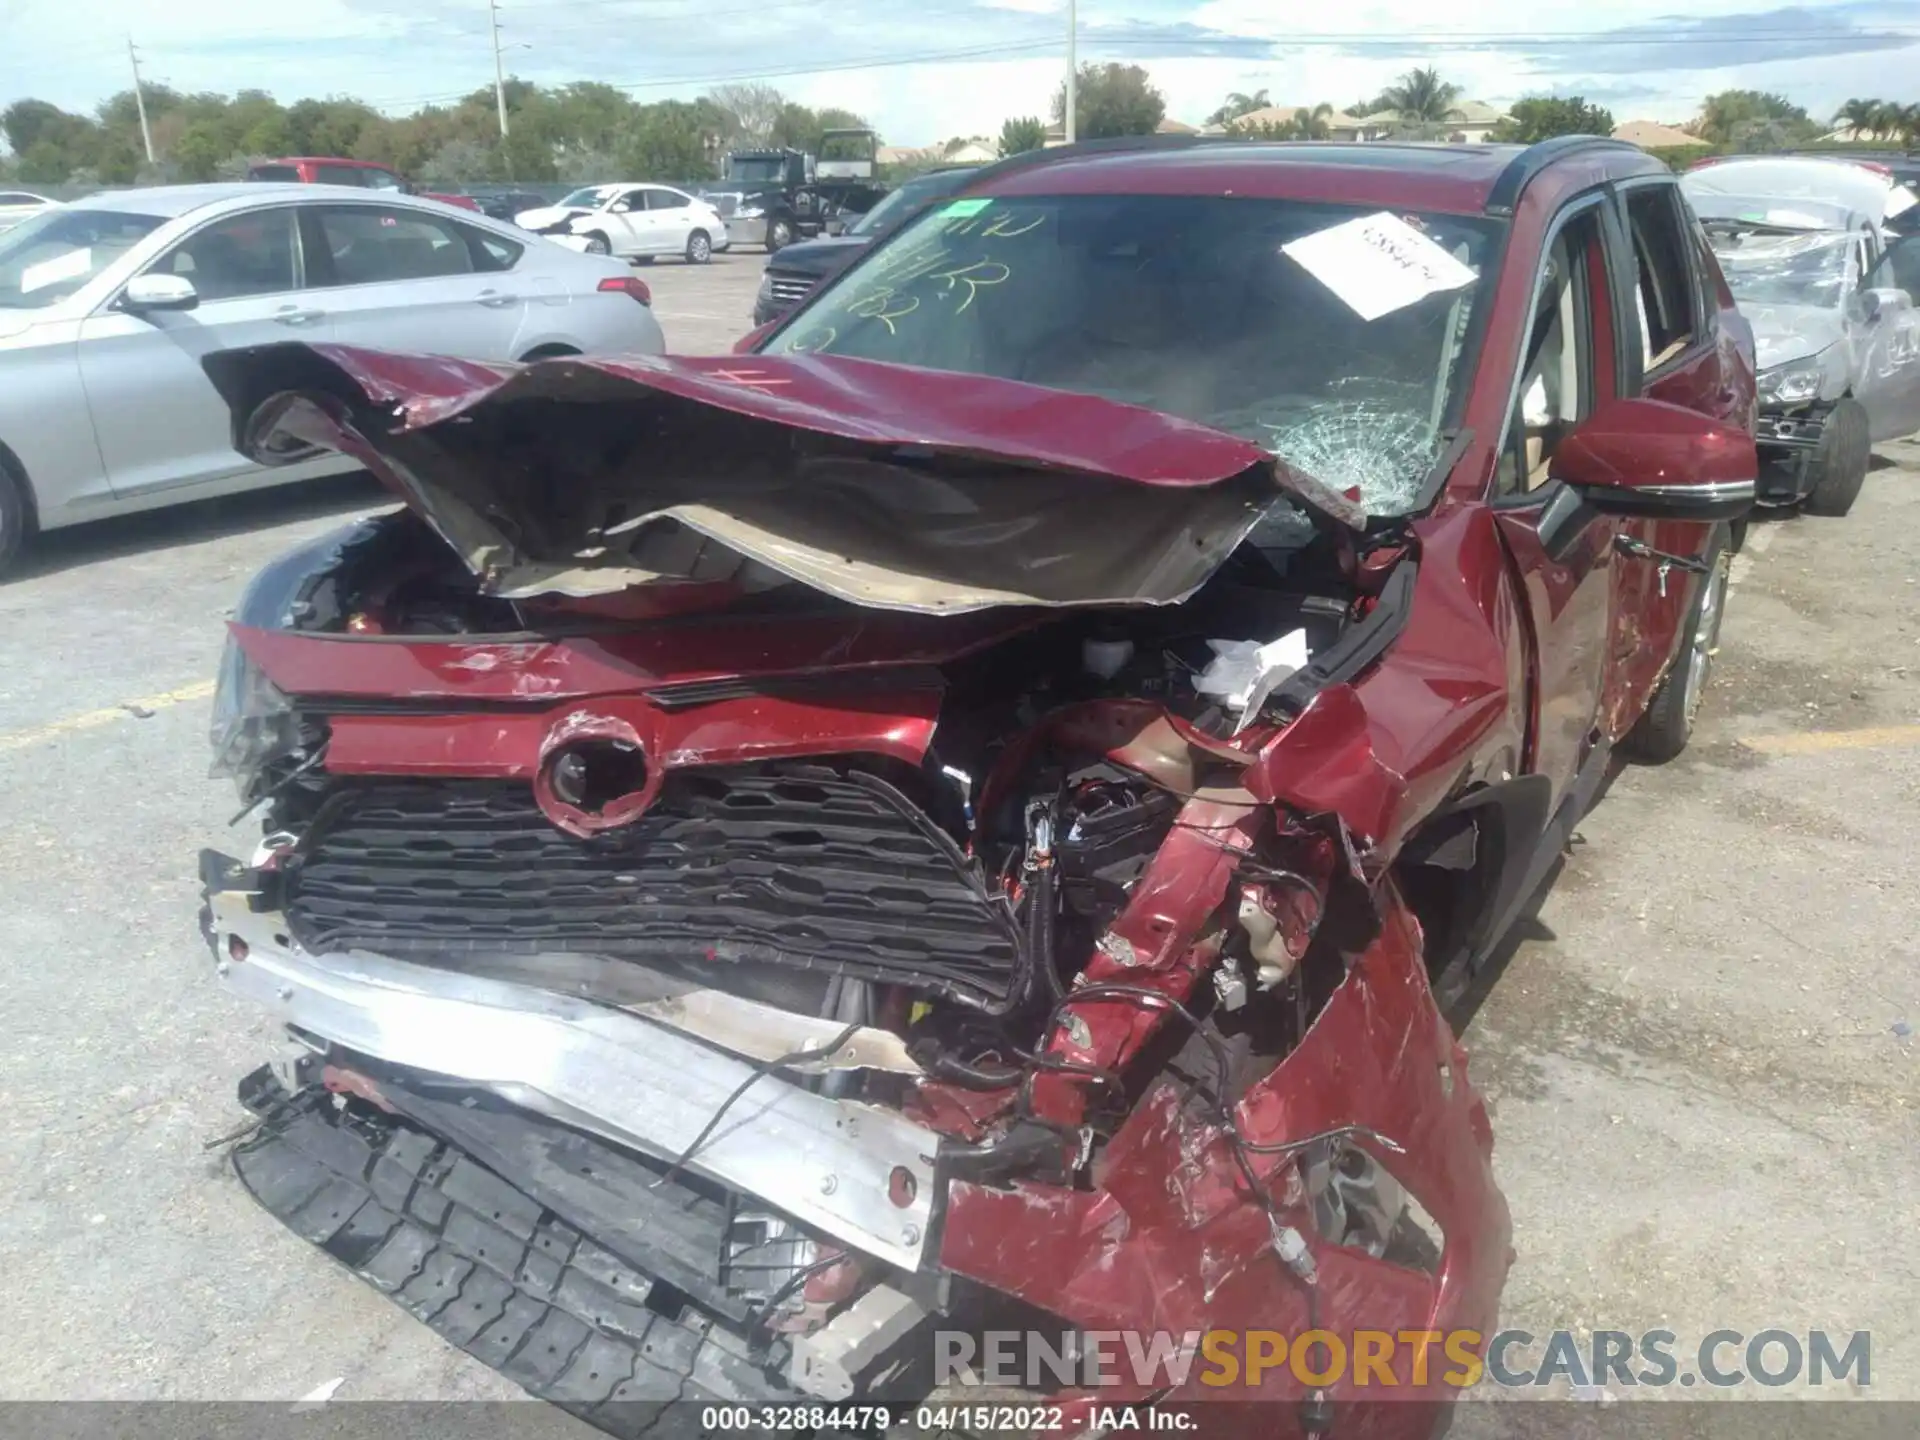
<point x="107" y="306"/>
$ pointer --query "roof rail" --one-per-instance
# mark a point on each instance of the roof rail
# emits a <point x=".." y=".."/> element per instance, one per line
<point x="1522" y="169"/>
<point x="1110" y="145"/>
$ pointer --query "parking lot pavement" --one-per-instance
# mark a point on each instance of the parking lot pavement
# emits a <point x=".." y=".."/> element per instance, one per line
<point x="1703" y="1082"/>
<point x="703" y="309"/>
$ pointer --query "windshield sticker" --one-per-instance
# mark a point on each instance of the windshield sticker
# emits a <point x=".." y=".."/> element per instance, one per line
<point x="1378" y="264"/>
<point x="70" y="266"/>
<point x="1900" y="199"/>
<point x="960" y="209"/>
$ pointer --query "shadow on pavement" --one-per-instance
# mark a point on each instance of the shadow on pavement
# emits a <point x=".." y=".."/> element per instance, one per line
<point x="97" y="540"/>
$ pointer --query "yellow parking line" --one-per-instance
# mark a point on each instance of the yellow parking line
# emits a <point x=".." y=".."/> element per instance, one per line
<point x="1816" y="742"/>
<point x="93" y="719"/>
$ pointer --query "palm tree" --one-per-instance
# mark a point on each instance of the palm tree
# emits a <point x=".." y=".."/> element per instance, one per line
<point x="1239" y="104"/>
<point x="1311" y="124"/>
<point x="1858" y="116"/>
<point x="1421" y="97"/>
<point x="1885" y="119"/>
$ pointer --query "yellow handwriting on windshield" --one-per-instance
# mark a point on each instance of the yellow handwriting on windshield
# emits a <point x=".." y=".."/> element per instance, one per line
<point x="885" y="305"/>
<point x="974" y="276"/>
<point x="1007" y="226"/>
<point x="813" y="345"/>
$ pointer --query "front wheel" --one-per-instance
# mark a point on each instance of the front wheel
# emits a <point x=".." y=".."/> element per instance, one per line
<point x="779" y="235"/>
<point x="1664" y="730"/>
<point x="1838" y="467"/>
<point x="598" y="244"/>
<point x="699" y="248"/>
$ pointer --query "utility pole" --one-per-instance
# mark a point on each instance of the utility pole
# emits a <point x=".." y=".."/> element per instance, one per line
<point x="1073" y="64"/>
<point x="140" y="100"/>
<point x="499" y="74"/>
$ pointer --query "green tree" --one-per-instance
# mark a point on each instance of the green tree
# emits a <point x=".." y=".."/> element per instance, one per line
<point x="667" y="141"/>
<point x="1541" y="117"/>
<point x="1755" y="120"/>
<point x="1238" y="104"/>
<point x="1863" y="117"/>
<point x="1421" y="97"/>
<point x="45" y="163"/>
<point x="1024" y="133"/>
<point x="197" y="154"/>
<point x="1112" y="99"/>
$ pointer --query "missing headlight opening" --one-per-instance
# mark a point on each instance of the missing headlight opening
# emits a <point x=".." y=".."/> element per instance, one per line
<point x="769" y="857"/>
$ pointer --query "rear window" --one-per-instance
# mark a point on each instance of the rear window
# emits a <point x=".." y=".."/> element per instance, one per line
<point x="274" y="172"/>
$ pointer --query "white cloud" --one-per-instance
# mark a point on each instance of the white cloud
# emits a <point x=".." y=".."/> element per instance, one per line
<point x="398" y="52"/>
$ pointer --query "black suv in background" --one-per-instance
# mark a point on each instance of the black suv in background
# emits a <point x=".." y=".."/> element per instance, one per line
<point x="793" y="272"/>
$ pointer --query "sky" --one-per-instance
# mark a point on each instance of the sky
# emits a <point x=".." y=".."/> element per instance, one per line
<point x="926" y="70"/>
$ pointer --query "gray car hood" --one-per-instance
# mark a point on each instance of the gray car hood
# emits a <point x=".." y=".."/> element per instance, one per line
<point x="1784" y="333"/>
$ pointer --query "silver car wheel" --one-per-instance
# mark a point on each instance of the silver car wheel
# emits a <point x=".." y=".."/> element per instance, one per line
<point x="597" y="245"/>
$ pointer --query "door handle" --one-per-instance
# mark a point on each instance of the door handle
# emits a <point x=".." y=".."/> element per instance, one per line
<point x="293" y="316"/>
<point x="494" y="300"/>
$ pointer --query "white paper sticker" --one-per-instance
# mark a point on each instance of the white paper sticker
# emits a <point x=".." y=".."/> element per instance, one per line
<point x="1900" y="199"/>
<point x="1378" y="264"/>
<point x="70" y="266"/>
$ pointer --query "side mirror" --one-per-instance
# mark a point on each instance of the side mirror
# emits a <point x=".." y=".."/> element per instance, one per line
<point x="744" y="345"/>
<point x="146" y="294"/>
<point x="1656" y="461"/>
<point x="1884" y="298"/>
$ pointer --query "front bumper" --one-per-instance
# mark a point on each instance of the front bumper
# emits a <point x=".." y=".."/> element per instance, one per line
<point x="1787" y="443"/>
<point x="834" y="1165"/>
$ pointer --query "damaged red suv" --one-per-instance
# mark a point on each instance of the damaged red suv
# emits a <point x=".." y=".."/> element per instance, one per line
<point x="964" y="810"/>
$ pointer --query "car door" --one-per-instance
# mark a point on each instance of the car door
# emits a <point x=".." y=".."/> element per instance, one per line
<point x="1679" y="352"/>
<point x="1888" y="314"/>
<point x="670" y="219"/>
<point x="628" y="223"/>
<point x="159" y="420"/>
<point x="1562" y="551"/>
<point x="399" y="277"/>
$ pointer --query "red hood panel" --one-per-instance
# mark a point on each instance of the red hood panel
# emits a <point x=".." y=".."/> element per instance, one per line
<point x="885" y="485"/>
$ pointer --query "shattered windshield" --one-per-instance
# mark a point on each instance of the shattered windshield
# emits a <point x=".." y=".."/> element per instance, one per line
<point x="1764" y="269"/>
<point x="589" y="198"/>
<point x="1332" y="335"/>
<point x="48" y="257"/>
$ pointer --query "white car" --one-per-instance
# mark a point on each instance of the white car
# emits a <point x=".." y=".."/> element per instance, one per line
<point x="18" y="205"/>
<point x="635" y="222"/>
<point x="109" y="304"/>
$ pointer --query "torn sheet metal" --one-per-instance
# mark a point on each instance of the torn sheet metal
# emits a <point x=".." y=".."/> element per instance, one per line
<point x="879" y="484"/>
<point x="1378" y="264"/>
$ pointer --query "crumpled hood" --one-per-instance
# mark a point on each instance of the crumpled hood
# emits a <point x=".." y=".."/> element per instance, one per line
<point x="883" y="485"/>
<point x="1783" y="333"/>
<point x="548" y="215"/>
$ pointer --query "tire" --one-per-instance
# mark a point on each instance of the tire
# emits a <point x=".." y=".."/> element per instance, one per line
<point x="547" y="352"/>
<point x="1666" y="727"/>
<point x="598" y="244"/>
<point x="16" y="515"/>
<point x="779" y="235"/>
<point x="1838" y="467"/>
<point x="699" y="248"/>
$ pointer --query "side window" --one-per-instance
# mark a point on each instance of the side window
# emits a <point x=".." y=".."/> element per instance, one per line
<point x="339" y="175"/>
<point x="1665" y="298"/>
<point x="382" y="180"/>
<point x="1898" y="268"/>
<point x="632" y="200"/>
<point x="1560" y="358"/>
<point x="369" y="244"/>
<point x="491" y="252"/>
<point x="247" y="254"/>
<point x="667" y="200"/>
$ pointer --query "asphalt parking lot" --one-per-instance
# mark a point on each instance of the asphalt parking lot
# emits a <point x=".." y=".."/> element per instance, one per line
<point x="1700" y="1057"/>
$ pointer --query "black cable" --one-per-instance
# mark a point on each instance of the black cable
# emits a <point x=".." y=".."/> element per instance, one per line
<point x="780" y="1297"/>
<point x="759" y="1072"/>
